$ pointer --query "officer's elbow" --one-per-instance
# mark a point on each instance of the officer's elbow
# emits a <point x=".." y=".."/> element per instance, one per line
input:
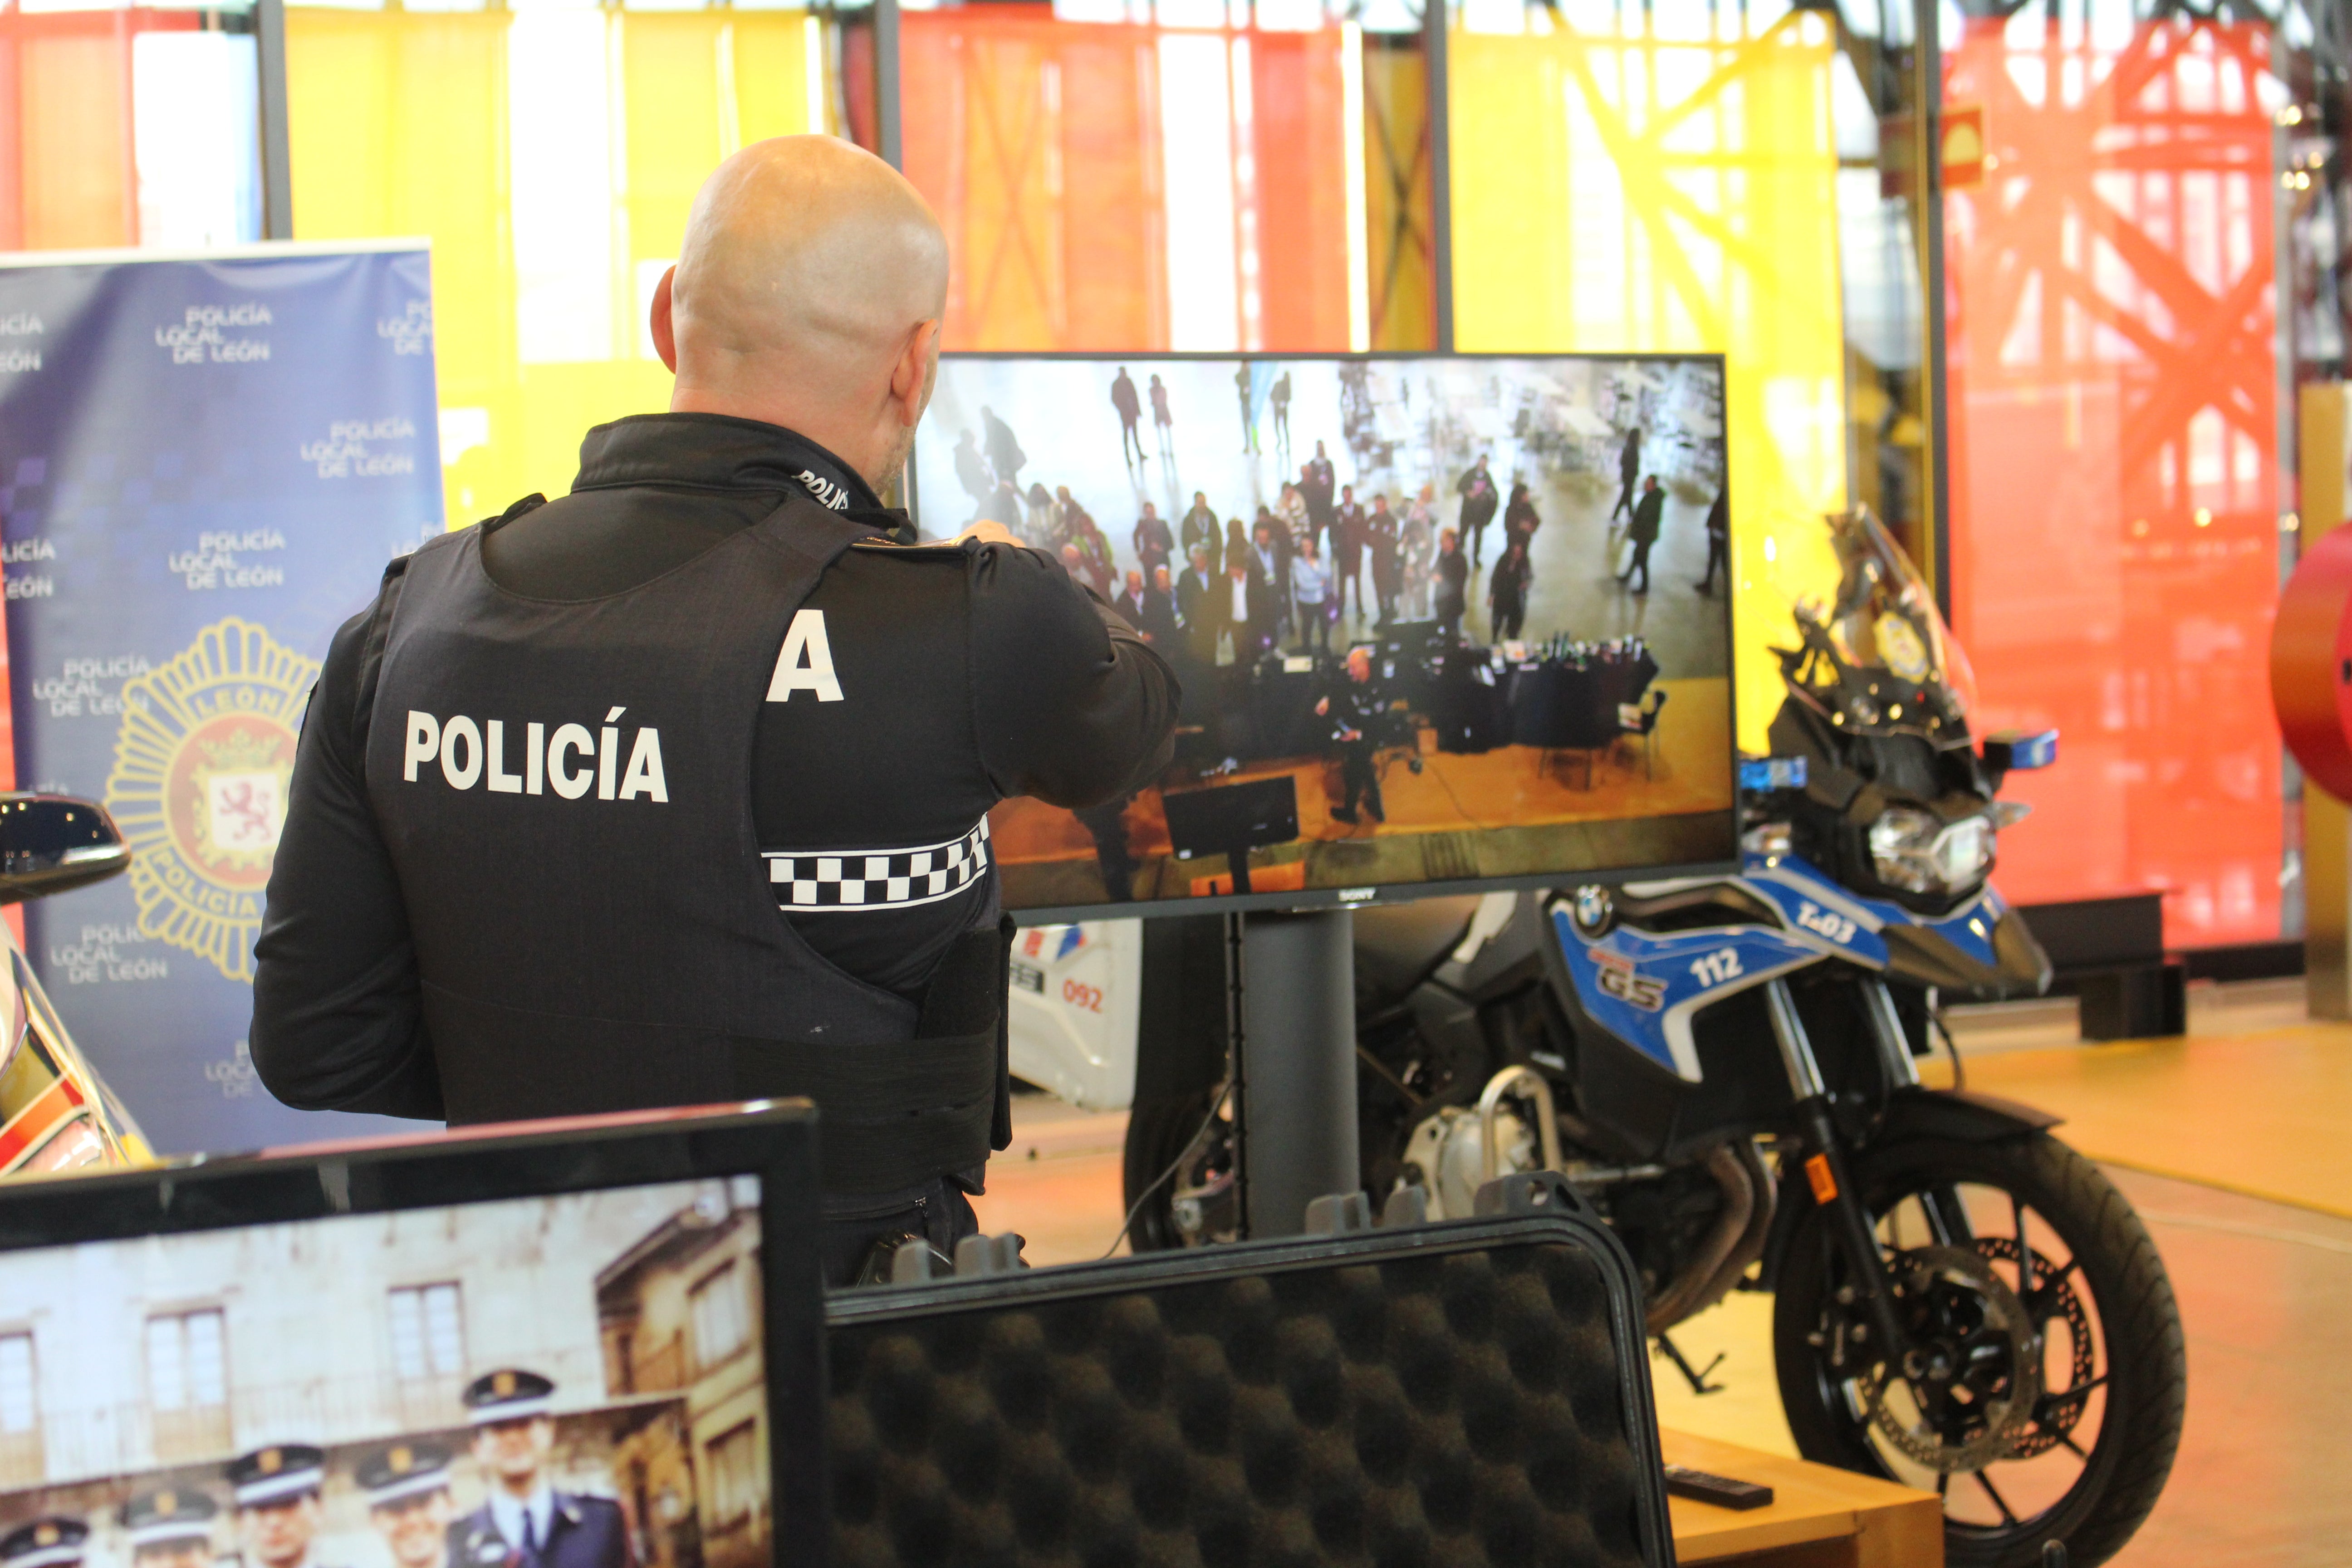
<point x="285" y="1061"/>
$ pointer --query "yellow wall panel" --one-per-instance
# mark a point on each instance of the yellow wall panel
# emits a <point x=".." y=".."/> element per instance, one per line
<point x="1632" y="194"/>
<point x="398" y="126"/>
<point x="1397" y="197"/>
<point x="680" y="124"/>
<point x="772" y="75"/>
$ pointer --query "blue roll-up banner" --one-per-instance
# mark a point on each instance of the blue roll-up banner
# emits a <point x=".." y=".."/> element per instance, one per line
<point x="204" y="464"/>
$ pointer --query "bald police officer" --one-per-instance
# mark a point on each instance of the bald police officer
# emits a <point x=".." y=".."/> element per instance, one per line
<point x="407" y="1488"/>
<point x="525" y="1522"/>
<point x="171" y="1527"/>
<point x="54" y="1542"/>
<point x="277" y="1491"/>
<point x="674" y="790"/>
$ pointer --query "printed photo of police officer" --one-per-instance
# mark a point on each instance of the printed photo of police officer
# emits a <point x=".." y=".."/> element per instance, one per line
<point x="578" y="1452"/>
<point x="169" y="1527"/>
<point x="524" y="1522"/>
<point x="409" y="1504"/>
<point x="54" y="1541"/>
<point x="279" y="1514"/>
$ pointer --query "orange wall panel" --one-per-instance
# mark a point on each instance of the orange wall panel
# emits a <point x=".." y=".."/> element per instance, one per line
<point x="12" y="153"/>
<point x="1038" y="144"/>
<point x="68" y="180"/>
<point x="1116" y="256"/>
<point x="75" y="142"/>
<point x="1299" y="107"/>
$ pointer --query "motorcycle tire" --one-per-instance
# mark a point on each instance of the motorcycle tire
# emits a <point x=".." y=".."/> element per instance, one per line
<point x="2146" y="1379"/>
<point x="1159" y="1131"/>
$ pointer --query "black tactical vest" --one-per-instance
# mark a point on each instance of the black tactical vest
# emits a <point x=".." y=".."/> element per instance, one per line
<point x="564" y="789"/>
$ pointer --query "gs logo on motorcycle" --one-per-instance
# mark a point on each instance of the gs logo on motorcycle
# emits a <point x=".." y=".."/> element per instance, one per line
<point x="1619" y="977"/>
<point x="201" y="766"/>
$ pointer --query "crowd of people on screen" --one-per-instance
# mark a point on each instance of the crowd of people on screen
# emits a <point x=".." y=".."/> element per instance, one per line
<point x="1224" y="590"/>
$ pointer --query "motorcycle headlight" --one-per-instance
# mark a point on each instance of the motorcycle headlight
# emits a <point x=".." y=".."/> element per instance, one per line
<point x="1917" y="851"/>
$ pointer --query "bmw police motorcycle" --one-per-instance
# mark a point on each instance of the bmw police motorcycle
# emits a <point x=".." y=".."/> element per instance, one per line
<point x="1727" y="1066"/>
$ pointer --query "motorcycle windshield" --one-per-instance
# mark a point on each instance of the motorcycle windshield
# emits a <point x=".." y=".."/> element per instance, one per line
<point x="1879" y="660"/>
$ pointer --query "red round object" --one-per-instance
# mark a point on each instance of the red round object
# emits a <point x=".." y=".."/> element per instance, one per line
<point x="2311" y="663"/>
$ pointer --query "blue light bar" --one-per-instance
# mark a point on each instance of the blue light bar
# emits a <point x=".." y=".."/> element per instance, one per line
<point x="2018" y="752"/>
<point x="1761" y="773"/>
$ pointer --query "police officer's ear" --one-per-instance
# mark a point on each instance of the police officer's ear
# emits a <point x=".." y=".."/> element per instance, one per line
<point x="665" y="329"/>
<point x="911" y="377"/>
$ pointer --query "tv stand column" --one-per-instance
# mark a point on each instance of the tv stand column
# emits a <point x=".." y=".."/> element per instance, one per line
<point x="1296" y="1072"/>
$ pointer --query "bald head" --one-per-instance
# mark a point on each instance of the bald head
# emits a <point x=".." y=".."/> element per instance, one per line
<point x="808" y="294"/>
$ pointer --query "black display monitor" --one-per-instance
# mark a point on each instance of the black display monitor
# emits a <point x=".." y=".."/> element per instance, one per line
<point x="1362" y="717"/>
<point x="349" y="1355"/>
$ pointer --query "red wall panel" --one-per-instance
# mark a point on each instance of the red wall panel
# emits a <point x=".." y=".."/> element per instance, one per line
<point x="2114" y="460"/>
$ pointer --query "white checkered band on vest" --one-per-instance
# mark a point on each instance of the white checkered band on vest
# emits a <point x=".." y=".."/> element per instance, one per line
<point x="877" y="879"/>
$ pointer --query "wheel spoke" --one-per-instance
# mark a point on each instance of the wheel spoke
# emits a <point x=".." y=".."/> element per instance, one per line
<point x="2073" y="1448"/>
<point x="1943" y="1483"/>
<point x="1986" y="1481"/>
<point x="2024" y="1251"/>
<point x="1947" y="1216"/>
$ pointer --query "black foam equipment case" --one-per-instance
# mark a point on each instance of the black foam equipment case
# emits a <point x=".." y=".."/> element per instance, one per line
<point x="1420" y="1395"/>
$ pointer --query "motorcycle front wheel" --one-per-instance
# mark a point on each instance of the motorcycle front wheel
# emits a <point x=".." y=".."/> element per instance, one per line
<point x="1199" y="1200"/>
<point x="2044" y="1396"/>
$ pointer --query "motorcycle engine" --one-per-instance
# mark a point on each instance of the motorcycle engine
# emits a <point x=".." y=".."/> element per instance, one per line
<point x="1446" y="1156"/>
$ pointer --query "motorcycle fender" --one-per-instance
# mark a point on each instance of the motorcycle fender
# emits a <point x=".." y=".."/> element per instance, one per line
<point x="1961" y="1114"/>
<point x="1955" y="1113"/>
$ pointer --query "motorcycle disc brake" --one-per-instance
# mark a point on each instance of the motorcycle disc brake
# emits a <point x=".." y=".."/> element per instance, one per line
<point x="2057" y="1412"/>
<point x="1973" y="1377"/>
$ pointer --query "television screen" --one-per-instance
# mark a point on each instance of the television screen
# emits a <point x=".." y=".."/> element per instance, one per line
<point x="574" y="1381"/>
<point x="1438" y="620"/>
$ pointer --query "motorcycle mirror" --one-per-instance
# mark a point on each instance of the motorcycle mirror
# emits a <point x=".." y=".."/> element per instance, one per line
<point x="55" y="843"/>
<point x="2014" y="750"/>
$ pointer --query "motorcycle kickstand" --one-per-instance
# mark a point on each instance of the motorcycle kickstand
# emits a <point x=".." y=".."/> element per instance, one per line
<point x="1697" y="1379"/>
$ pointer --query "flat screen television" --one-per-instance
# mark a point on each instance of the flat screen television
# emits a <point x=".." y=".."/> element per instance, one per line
<point x="353" y="1357"/>
<point x="1423" y="643"/>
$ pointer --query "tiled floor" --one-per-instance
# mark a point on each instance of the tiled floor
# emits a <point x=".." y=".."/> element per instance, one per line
<point x="2265" y="1295"/>
<point x="2265" y="1287"/>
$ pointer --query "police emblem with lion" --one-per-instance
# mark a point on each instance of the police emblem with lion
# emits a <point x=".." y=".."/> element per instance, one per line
<point x="201" y="768"/>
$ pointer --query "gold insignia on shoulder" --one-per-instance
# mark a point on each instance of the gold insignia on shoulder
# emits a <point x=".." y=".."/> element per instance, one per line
<point x="502" y="1384"/>
<point x="167" y="1503"/>
<point x="400" y="1460"/>
<point x="201" y="767"/>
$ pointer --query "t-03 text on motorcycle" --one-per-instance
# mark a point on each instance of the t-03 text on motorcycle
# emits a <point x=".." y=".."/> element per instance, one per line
<point x="1726" y="1067"/>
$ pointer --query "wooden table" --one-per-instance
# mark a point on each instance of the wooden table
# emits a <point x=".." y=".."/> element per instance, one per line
<point x="1818" y="1517"/>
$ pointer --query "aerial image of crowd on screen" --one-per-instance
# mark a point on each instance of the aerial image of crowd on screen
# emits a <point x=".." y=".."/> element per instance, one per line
<point x="573" y="1382"/>
<point x="1434" y="618"/>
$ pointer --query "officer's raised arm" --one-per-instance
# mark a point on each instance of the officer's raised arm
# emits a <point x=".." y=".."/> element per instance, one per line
<point x="675" y="788"/>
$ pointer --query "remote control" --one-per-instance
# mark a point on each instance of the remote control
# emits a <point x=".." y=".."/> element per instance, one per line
<point x="1720" y="1490"/>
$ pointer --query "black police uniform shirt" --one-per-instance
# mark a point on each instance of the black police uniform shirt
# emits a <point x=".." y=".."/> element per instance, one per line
<point x="582" y="1532"/>
<point x="965" y="677"/>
